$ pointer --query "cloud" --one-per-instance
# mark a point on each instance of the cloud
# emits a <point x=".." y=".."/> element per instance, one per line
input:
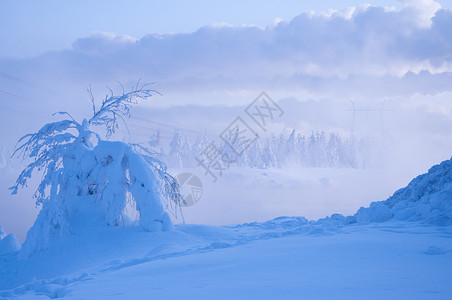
<point x="424" y="10"/>
<point x="370" y="41"/>
<point x="102" y="43"/>
<point x="319" y="53"/>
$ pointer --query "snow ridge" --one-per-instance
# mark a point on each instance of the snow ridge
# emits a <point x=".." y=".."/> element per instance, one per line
<point x="427" y="199"/>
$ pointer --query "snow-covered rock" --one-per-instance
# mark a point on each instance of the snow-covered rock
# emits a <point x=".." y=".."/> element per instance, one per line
<point x="377" y="212"/>
<point x="427" y="198"/>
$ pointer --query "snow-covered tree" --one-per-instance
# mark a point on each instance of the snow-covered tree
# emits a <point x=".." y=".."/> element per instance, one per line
<point x="154" y="141"/>
<point x="175" y="153"/>
<point x="186" y="156"/>
<point x="316" y="149"/>
<point x="268" y="158"/>
<point x="242" y="148"/>
<point x="254" y="155"/>
<point x="290" y="151"/>
<point x="351" y="153"/>
<point x="8" y="243"/>
<point x="196" y="148"/>
<point x="278" y="150"/>
<point x="302" y="150"/>
<point x="335" y="152"/>
<point x="82" y="173"/>
<point x="232" y="149"/>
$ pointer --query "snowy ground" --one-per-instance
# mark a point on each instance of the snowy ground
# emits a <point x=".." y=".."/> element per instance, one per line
<point x="244" y="194"/>
<point x="400" y="248"/>
<point x="283" y="258"/>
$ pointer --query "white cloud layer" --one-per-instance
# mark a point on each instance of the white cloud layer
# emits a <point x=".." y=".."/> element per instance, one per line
<point x="364" y="41"/>
<point x="424" y="10"/>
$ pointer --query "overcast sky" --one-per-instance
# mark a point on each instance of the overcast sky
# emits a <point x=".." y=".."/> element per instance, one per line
<point x="33" y="27"/>
<point x="30" y="27"/>
<point x="391" y="54"/>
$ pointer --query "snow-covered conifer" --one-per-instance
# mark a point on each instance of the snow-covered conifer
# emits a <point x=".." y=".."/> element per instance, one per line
<point x="175" y="151"/>
<point x="83" y="174"/>
<point x="268" y="158"/>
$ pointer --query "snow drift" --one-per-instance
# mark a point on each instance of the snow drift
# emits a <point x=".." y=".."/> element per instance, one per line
<point x="427" y="198"/>
<point x="385" y="255"/>
<point x="8" y="243"/>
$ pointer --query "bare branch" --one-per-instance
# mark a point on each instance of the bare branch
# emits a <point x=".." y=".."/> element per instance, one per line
<point x="90" y="92"/>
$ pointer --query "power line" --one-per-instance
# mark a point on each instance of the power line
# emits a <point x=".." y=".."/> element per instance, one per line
<point x="157" y="130"/>
<point x="10" y="77"/>
<point x="12" y="95"/>
<point x="19" y="80"/>
<point x="148" y="128"/>
<point x="174" y="127"/>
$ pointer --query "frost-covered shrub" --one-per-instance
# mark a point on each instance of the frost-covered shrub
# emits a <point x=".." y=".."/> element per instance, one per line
<point x="86" y="179"/>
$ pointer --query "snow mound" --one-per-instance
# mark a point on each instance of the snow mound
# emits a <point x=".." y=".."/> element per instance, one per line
<point x="427" y="198"/>
<point x="111" y="184"/>
<point x="8" y="243"/>
<point x="434" y="250"/>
